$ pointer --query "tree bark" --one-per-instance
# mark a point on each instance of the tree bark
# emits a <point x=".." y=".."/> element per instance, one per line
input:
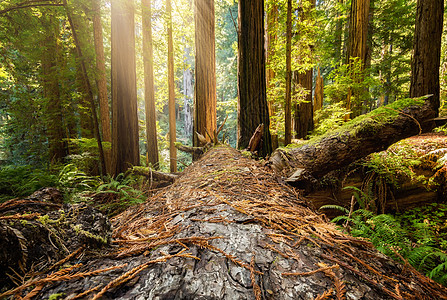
<point x="288" y="95"/>
<point x="333" y="151"/>
<point x="205" y="68"/>
<point x="228" y="229"/>
<point x="319" y="93"/>
<point x="149" y="89"/>
<point x="252" y="101"/>
<point x="427" y="50"/>
<point x="54" y="120"/>
<point x="171" y="87"/>
<point x="125" y="148"/>
<point x="101" y="83"/>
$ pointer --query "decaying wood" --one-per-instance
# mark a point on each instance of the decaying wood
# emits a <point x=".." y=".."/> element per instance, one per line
<point x="256" y="138"/>
<point x="195" y="151"/>
<point x="153" y="174"/>
<point x="312" y="161"/>
<point x="228" y="229"/>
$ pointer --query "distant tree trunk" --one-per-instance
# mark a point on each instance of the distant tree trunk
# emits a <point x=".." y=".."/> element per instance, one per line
<point x="125" y="148"/>
<point x="319" y="92"/>
<point x="149" y="91"/>
<point x="57" y="145"/>
<point x="252" y="104"/>
<point x="85" y="115"/>
<point x="288" y="95"/>
<point x="87" y="87"/>
<point x="205" y="80"/>
<point x="272" y="19"/>
<point x="357" y="46"/>
<point x="101" y="82"/>
<point x="338" y="37"/>
<point x="188" y="93"/>
<point x="172" y="124"/>
<point x="427" y="50"/>
<point x="304" y="114"/>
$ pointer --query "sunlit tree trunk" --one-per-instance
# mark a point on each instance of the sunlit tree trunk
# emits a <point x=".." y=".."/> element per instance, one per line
<point x="55" y="133"/>
<point x="288" y="95"/>
<point x="149" y="92"/>
<point x="304" y="114"/>
<point x="357" y="45"/>
<point x="172" y="124"/>
<point x="272" y="19"/>
<point x="252" y="104"/>
<point x="125" y="152"/>
<point x="101" y="82"/>
<point x="205" y="80"/>
<point x="427" y="50"/>
<point x="319" y="92"/>
<point x="338" y="36"/>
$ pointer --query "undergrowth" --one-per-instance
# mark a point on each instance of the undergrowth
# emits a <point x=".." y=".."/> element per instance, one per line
<point x="419" y="236"/>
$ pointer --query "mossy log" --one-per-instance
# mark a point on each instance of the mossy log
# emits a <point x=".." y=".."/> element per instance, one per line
<point x="366" y="134"/>
<point x="228" y="228"/>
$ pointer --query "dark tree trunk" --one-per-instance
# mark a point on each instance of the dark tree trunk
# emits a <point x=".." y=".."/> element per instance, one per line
<point x="427" y="50"/>
<point x="149" y="89"/>
<point x="125" y="148"/>
<point x="288" y="95"/>
<point x="205" y="68"/>
<point x="54" y="120"/>
<point x="101" y="83"/>
<point x="252" y="104"/>
<point x="304" y="114"/>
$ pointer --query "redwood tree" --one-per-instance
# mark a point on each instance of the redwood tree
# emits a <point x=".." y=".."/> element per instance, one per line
<point x="172" y="124"/>
<point x="149" y="92"/>
<point x="288" y="95"/>
<point x="252" y="100"/>
<point x="427" y="50"/>
<point x="124" y="88"/>
<point x="205" y="68"/>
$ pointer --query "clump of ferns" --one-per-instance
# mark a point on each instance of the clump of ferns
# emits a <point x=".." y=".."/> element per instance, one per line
<point x="417" y="245"/>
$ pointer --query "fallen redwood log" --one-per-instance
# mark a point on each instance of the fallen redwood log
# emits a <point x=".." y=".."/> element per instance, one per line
<point x="227" y="228"/>
<point x="366" y="134"/>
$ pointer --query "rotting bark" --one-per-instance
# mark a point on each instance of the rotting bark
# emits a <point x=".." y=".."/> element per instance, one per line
<point x="304" y="164"/>
<point x="228" y="229"/>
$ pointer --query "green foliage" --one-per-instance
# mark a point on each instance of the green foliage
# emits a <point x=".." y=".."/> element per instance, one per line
<point x="73" y="182"/>
<point x="20" y="181"/>
<point x="329" y="118"/>
<point x="418" y="235"/>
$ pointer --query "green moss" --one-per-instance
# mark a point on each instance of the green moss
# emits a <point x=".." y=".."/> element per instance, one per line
<point x="56" y="296"/>
<point x="80" y="231"/>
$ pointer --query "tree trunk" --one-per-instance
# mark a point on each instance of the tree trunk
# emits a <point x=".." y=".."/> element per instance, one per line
<point x="272" y="19"/>
<point x="319" y="93"/>
<point x="149" y="89"/>
<point x="288" y="95"/>
<point x="205" y="80"/>
<point x="54" y="120"/>
<point x="252" y="100"/>
<point x="427" y="50"/>
<point x="228" y="229"/>
<point x="357" y="139"/>
<point x="125" y="148"/>
<point x="101" y="83"/>
<point x="87" y="87"/>
<point x="171" y="87"/>
<point x="357" y="47"/>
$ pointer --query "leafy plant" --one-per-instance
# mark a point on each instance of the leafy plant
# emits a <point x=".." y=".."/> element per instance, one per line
<point x="73" y="181"/>
<point x="419" y="235"/>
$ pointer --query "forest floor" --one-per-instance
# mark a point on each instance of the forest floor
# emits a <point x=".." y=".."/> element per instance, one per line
<point x="227" y="228"/>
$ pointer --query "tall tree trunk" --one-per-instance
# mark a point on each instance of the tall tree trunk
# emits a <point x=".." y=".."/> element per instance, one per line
<point x="101" y="83"/>
<point x="125" y="148"/>
<point x="272" y="19"/>
<point x="252" y="104"/>
<point x="357" y="47"/>
<point x="57" y="146"/>
<point x="149" y="90"/>
<point x="87" y="86"/>
<point x="427" y="50"/>
<point x="304" y="114"/>
<point x="205" y="80"/>
<point x="172" y="124"/>
<point x="319" y="92"/>
<point x="288" y="95"/>
<point x="338" y="37"/>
